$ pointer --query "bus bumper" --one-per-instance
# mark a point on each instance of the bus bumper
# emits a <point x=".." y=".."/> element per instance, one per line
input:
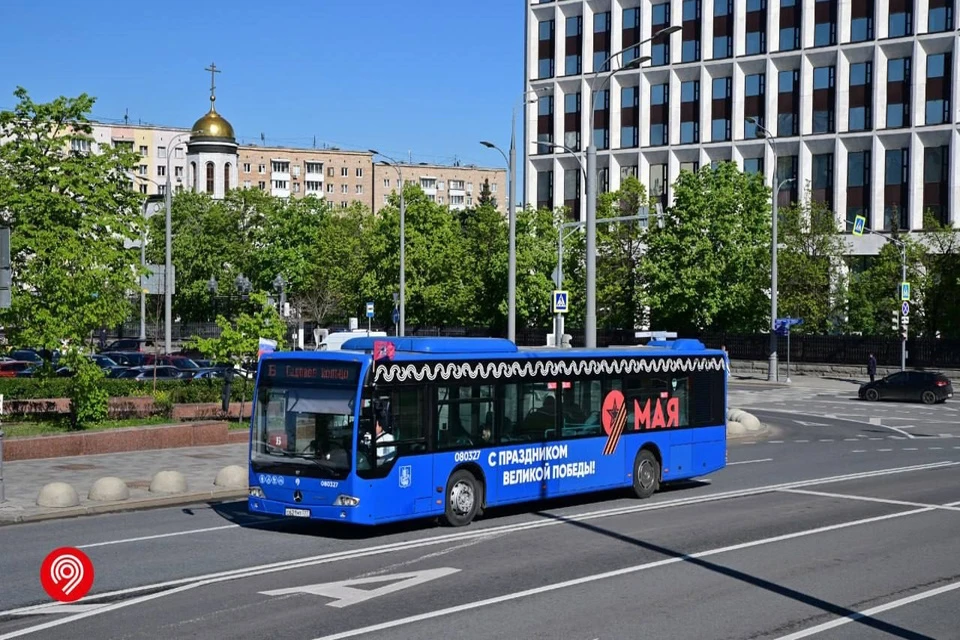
<point x="263" y="506"/>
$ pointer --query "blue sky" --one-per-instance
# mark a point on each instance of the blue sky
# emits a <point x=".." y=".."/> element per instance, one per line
<point x="427" y="77"/>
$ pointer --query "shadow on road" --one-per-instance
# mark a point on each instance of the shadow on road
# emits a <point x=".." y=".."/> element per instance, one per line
<point x="755" y="581"/>
<point x="236" y="512"/>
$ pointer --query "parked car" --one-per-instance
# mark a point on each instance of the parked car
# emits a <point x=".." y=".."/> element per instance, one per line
<point x="180" y="362"/>
<point x="13" y="368"/>
<point x="929" y="387"/>
<point x="103" y="361"/>
<point x="125" y="344"/>
<point x="126" y="358"/>
<point x="147" y="373"/>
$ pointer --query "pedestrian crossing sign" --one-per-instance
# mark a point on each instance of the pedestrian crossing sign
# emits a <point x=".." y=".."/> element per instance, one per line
<point x="859" y="223"/>
<point x="560" y="302"/>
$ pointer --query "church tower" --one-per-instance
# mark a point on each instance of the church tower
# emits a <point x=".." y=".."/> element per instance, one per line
<point x="212" y="151"/>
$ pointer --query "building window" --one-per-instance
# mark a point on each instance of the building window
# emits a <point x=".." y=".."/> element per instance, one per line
<point x="601" y="40"/>
<point x="330" y="188"/>
<point x="573" y="62"/>
<point x="143" y="188"/>
<point x="571" y="120"/>
<point x="895" y="191"/>
<point x="280" y="166"/>
<point x="344" y="188"/>
<point x="936" y="165"/>
<point x="144" y="150"/>
<point x="211" y="177"/>
<point x="162" y="152"/>
<point x="660" y="50"/>
<point x="226" y="178"/>
<point x="344" y="172"/>
<point x="359" y="172"/>
<point x="823" y="111"/>
<point x="246" y="184"/>
<point x="261" y="185"/>
<point x="178" y="172"/>
<point x="788" y="82"/>
<point x="601" y="119"/>
<point x="690" y="96"/>
<point x="900" y="23"/>
<point x="658" y="182"/>
<point x="161" y="171"/>
<point x="262" y="168"/>
<point x="720" y="127"/>
<point x="823" y="178"/>
<point x="861" y="29"/>
<point x="545" y="48"/>
<point x="824" y="23"/>
<point x="753" y="165"/>
<point x="193" y="176"/>
<point x="359" y="189"/>
<point x="343" y="204"/>
<point x="938" y="82"/>
<point x="630" y="35"/>
<point x="544" y="190"/>
<point x="330" y="172"/>
<point x="629" y="117"/>
<point x="545" y="124"/>
<point x="246" y="167"/>
<point x="939" y="18"/>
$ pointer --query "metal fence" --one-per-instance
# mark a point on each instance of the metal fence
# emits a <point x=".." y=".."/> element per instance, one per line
<point x="839" y="349"/>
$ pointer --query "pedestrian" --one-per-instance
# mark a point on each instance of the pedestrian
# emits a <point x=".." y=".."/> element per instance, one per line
<point x="872" y="367"/>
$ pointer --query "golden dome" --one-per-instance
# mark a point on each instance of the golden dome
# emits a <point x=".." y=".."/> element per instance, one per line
<point x="212" y="125"/>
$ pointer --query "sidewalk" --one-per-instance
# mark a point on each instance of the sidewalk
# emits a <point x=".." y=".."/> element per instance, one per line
<point x="199" y="465"/>
<point x="838" y="383"/>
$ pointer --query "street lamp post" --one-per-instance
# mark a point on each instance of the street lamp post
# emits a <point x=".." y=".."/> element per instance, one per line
<point x="773" y="372"/>
<point x="590" y="321"/>
<point x="403" y="257"/>
<point x="168" y="255"/>
<point x="212" y="288"/>
<point x="512" y="215"/>
<point x="143" y="265"/>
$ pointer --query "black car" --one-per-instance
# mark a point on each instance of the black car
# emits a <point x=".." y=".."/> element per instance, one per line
<point x="928" y="387"/>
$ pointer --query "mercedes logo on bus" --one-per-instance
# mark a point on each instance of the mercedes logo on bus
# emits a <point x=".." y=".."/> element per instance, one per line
<point x="297" y="496"/>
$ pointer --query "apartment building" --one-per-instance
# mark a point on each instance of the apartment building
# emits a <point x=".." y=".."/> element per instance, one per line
<point x="858" y="95"/>
<point x="161" y="149"/>
<point x="458" y="187"/>
<point x="340" y="177"/>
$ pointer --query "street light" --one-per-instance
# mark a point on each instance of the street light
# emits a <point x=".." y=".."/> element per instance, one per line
<point x="512" y="213"/>
<point x="168" y="256"/>
<point x="590" y="321"/>
<point x="281" y="285"/>
<point x="143" y="253"/>
<point x="403" y="256"/>
<point x="762" y="132"/>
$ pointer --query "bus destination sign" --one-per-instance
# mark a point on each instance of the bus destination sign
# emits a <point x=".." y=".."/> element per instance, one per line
<point x="315" y="372"/>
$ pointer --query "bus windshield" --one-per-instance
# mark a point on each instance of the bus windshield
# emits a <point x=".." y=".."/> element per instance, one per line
<point x="305" y="426"/>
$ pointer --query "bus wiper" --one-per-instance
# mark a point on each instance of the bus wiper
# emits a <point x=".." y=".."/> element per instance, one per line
<point x="300" y="456"/>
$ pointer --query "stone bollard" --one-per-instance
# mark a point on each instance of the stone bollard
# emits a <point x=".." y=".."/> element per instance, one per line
<point x="232" y="477"/>
<point x="109" y="489"/>
<point x="58" y="495"/>
<point x="168" y="482"/>
<point x="735" y="428"/>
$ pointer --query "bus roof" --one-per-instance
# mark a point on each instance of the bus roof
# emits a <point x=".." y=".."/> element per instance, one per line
<point x="420" y="348"/>
<point x="444" y="345"/>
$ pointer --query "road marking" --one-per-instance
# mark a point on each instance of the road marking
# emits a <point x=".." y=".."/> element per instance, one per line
<point x="874" y="422"/>
<point x="61" y="609"/>
<point x="850" y="439"/>
<point x="847" y="496"/>
<point x="885" y="450"/>
<point x="801" y="441"/>
<point x="776" y="441"/>
<point x="611" y="574"/>
<point x="810" y="424"/>
<point x="910" y="449"/>
<point x="184" y="584"/>
<point x="157" y="536"/>
<point x="344" y="594"/>
<point x="853" y="617"/>
<point x="935" y="448"/>
<point x="859" y="451"/>
<point x="750" y="461"/>
<point x="875" y="438"/>
<point x="826" y="439"/>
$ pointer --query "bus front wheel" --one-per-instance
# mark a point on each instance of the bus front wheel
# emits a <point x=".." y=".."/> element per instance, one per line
<point x="462" y="499"/>
<point x="646" y="474"/>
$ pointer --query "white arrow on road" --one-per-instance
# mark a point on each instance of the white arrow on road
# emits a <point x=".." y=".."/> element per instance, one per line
<point x="345" y="595"/>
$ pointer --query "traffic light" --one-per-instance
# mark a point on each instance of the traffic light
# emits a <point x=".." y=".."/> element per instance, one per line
<point x="903" y="332"/>
<point x="895" y="320"/>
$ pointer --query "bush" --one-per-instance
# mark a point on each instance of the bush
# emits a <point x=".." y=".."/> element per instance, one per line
<point x="88" y="399"/>
<point x="181" y="391"/>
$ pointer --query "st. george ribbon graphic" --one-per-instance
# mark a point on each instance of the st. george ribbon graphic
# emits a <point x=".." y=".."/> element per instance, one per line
<point x="66" y="574"/>
<point x="613" y="417"/>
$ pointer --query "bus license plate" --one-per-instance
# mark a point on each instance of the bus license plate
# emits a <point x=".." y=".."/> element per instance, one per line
<point x="300" y="513"/>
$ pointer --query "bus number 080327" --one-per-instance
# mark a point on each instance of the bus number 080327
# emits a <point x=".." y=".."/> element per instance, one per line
<point x="466" y="456"/>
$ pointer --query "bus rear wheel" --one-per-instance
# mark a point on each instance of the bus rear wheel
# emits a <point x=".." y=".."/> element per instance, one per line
<point x="646" y="474"/>
<point x="463" y="499"/>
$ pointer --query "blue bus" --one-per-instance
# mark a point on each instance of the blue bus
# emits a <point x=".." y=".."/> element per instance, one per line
<point x="391" y="429"/>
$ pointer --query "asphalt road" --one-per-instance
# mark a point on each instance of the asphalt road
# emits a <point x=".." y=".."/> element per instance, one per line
<point x="837" y="528"/>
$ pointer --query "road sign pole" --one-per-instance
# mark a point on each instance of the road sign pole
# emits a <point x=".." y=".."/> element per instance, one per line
<point x="788" y="354"/>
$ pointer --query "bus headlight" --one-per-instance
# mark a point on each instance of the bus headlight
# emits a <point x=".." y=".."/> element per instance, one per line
<point x="256" y="492"/>
<point x="346" y="501"/>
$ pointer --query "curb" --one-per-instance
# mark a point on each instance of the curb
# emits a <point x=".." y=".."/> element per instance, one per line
<point x="125" y="505"/>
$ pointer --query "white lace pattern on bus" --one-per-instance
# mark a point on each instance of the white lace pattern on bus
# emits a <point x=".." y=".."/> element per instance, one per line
<point x="548" y="368"/>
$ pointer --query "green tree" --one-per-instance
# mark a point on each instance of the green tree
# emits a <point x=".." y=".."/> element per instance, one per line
<point x="708" y="265"/>
<point x="70" y="210"/>
<point x="484" y="268"/>
<point x="435" y="295"/>
<point x="810" y="282"/>
<point x="874" y="292"/>
<point x="332" y="285"/>
<point x="536" y="260"/>
<point x="239" y="339"/>
<point x="941" y="280"/>
<point x="486" y="196"/>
